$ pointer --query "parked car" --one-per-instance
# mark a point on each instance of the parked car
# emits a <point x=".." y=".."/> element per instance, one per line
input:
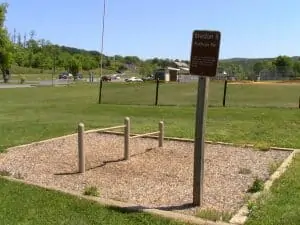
<point x="115" y="77"/>
<point x="134" y="79"/>
<point x="78" y="76"/>
<point x="149" y="78"/>
<point x="65" y="75"/>
<point x="106" y="78"/>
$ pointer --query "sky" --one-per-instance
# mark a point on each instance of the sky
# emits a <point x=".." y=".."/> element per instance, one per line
<point x="162" y="28"/>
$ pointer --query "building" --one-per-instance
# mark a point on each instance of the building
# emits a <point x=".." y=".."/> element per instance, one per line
<point x="173" y="72"/>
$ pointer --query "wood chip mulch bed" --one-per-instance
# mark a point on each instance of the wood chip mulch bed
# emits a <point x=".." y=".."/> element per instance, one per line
<point x="153" y="177"/>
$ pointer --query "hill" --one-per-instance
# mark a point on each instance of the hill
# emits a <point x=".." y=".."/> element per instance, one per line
<point x="33" y="55"/>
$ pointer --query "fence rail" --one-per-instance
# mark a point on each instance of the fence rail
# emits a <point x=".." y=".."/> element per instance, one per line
<point x="104" y="129"/>
<point x="144" y="135"/>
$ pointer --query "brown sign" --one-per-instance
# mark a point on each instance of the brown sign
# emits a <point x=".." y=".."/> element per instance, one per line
<point x="205" y="53"/>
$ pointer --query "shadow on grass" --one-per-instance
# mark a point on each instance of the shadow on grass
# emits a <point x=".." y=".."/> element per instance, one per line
<point x="134" y="209"/>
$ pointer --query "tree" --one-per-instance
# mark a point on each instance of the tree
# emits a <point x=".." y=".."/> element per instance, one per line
<point x="258" y="67"/>
<point x="6" y="47"/>
<point x="19" y="56"/>
<point x="74" y="66"/>
<point x="296" y="68"/>
<point x="121" y="68"/>
<point x="146" y="69"/>
<point x="283" y="65"/>
<point x="131" y="59"/>
<point x="31" y="35"/>
<point x="19" y="40"/>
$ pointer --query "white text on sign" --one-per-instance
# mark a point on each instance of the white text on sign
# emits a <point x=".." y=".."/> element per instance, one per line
<point x="202" y="38"/>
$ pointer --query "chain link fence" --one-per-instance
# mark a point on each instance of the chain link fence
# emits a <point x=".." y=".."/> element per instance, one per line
<point x="183" y="93"/>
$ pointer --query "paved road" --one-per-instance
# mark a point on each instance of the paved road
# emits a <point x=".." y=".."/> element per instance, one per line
<point x="55" y="82"/>
<point x="15" y="86"/>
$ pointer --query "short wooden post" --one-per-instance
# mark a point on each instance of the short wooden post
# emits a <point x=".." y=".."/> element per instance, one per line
<point x="126" y="138"/>
<point x="81" y="155"/>
<point x="299" y="103"/>
<point x="161" y="127"/>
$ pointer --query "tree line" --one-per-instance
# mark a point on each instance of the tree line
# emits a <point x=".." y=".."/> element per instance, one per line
<point x="279" y="67"/>
<point x="25" y="51"/>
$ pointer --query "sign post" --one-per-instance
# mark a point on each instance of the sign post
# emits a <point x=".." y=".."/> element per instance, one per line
<point x="203" y="62"/>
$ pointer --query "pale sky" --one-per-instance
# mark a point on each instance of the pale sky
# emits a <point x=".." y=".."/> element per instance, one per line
<point x="162" y="28"/>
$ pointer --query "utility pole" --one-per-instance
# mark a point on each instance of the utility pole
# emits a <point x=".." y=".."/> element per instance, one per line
<point x="101" y="56"/>
<point x="54" y="66"/>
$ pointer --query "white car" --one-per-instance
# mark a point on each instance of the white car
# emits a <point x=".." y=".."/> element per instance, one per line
<point x="134" y="79"/>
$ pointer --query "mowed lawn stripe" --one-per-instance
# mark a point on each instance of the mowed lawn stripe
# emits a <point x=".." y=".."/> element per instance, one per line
<point x="39" y="113"/>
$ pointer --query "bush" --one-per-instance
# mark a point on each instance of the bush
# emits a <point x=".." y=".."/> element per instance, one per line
<point x="5" y="173"/>
<point x="91" y="191"/>
<point x="258" y="185"/>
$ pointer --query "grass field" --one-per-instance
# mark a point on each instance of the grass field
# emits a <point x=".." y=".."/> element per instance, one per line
<point x="33" y="114"/>
<point x="23" y="204"/>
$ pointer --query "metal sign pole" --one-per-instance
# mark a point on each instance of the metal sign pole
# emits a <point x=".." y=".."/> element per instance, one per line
<point x="199" y="140"/>
<point x="204" y="62"/>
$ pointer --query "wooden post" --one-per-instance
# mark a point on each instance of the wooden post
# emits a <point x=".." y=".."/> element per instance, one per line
<point x="225" y="92"/>
<point x="299" y="102"/>
<point x="81" y="154"/>
<point x="126" y="138"/>
<point x="199" y="140"/>
<point x="161" y="134"/>
<point x="156" y="93"/>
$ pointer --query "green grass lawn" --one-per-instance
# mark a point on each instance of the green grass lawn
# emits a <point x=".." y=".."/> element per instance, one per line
<point x="39" y="113"/>
<point x="281" y="207"/>
<point x="24" y="204"/>
<point x="32" y="114"/>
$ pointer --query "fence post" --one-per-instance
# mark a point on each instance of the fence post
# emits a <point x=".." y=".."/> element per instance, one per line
<point x="161" y="134"/>
<point x="156" y="92"/>
<point x="100" y="91"/>
<point x="224" y="94"/>
<point x="81" y="154"/>
<point x="126" y="138"/>
<point x="299" y="102"/>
